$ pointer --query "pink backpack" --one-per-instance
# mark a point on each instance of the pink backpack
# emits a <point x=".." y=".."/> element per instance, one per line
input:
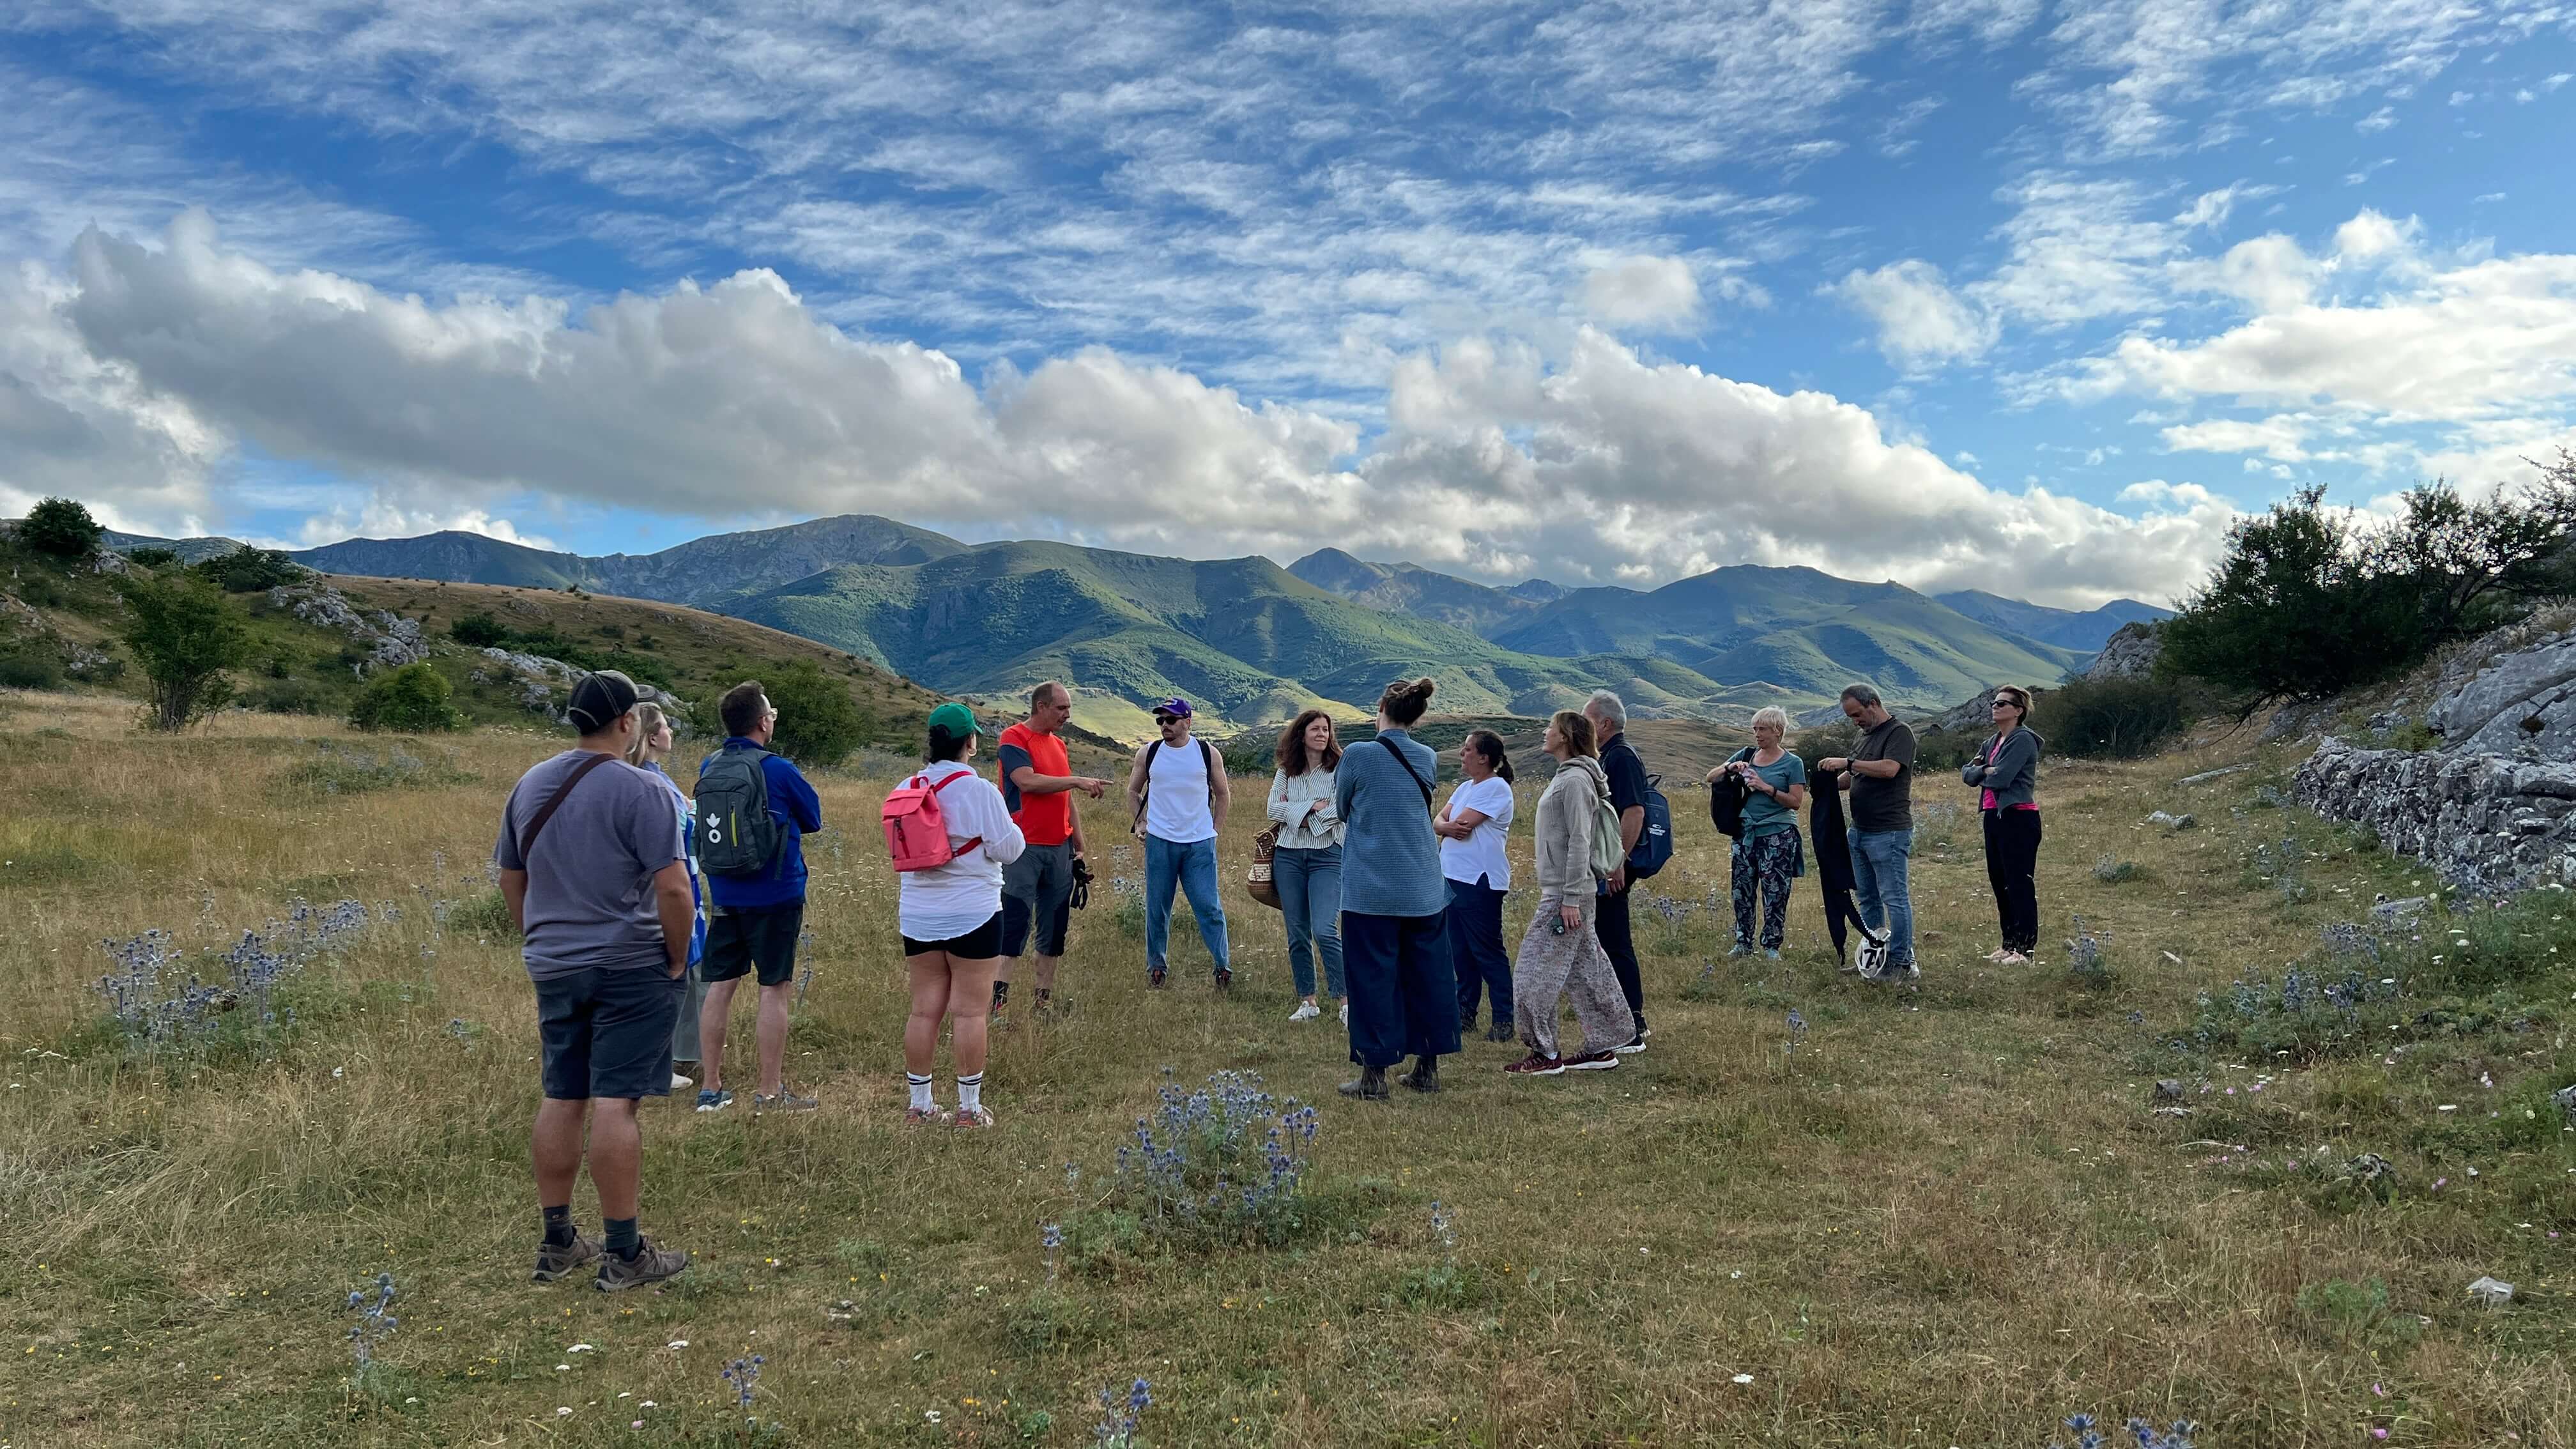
<point x="916" y="831"/>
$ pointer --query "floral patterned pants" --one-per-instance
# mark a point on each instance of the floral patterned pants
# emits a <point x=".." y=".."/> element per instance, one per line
<point x="1767" y="865"/>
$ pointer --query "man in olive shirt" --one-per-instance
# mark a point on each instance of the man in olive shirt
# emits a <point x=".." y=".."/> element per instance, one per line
<point x="1880" y="776"/>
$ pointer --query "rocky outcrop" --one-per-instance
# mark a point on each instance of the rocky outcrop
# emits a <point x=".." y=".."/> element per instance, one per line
<point x="2127" y="654"/>
<point x="2493" y="808"/>
<point x="391" y="641"/>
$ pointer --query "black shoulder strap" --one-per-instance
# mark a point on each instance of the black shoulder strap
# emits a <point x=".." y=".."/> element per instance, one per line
<point x="554" y="802"/>
<point x="1408" y="769"/>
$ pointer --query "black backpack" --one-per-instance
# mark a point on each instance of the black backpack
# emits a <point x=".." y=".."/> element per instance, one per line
<point x="737" y="834"/>
<point x="1207" y="761"/>
<point x="1654" y="843"/>
<point x="1727" y="798"/>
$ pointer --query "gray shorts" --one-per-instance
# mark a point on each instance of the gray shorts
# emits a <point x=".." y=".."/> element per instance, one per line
<point x="1041" y="880"/>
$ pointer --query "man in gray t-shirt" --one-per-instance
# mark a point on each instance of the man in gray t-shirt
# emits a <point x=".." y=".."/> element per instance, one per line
<point x="1880" y="776"/>
<point x="595" y="874"/>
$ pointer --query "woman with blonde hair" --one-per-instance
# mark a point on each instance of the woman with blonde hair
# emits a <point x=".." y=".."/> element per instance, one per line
<point x="1767" y="857"/>
<point x="2006" y="771"/>
<point x="1307" y="864"/>
<point x="1560" y="952"/>
<point x="652" y="744"/>
<point x="1395" y="941"/>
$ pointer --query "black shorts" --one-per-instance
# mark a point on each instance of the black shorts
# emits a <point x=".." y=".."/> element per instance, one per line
<point x="980" y="944"/>
<point x="761" y="938"/>
<point x="608" y="1033"/>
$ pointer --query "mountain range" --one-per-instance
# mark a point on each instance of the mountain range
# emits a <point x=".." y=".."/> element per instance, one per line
<point x="1252" y="642"/>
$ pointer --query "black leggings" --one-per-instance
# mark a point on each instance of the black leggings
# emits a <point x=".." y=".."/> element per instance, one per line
<point x="2012" y="863"/>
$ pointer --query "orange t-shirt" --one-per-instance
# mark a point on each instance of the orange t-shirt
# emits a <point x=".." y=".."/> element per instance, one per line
<point x="1043" y="819"/>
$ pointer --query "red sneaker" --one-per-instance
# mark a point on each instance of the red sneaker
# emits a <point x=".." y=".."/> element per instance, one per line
<point x="1535" y="1065"/>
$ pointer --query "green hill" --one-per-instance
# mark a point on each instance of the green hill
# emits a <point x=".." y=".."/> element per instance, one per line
<point x="1242" y="638"/>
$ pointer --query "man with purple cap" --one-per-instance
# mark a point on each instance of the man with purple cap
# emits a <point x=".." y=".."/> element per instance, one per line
<point x="1176" y="796"/>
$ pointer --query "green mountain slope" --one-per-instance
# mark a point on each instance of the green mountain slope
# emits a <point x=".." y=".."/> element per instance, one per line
<point x="1242" y="638"/>
<point x="688" y="573"/>
<point x="2066" y="628"/>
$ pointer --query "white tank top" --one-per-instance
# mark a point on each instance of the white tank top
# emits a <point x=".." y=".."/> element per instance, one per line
<point x="1176" y="800"/>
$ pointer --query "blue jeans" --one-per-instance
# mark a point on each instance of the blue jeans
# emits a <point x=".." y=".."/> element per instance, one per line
<point x="1878" y="885"/>
<point x="1476" y="949"/>
<point x="1191" y="867"/>
<point x="1310" y="896"/>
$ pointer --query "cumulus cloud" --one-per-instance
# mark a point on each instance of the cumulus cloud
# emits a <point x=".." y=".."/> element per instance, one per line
<point x="1646" y="293"/>
<point x="735" y="400"/>
<point x="1920" y="319"/>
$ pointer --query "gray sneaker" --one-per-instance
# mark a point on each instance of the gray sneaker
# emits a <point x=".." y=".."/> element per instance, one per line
<point x="649" y="1265"/>
<point x="554" y="1262"/>
<point x="785" y="1101"/>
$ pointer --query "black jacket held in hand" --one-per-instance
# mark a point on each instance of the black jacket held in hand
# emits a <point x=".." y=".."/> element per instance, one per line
<point x="1832" y="843"/>
<point x="1727" y="797"/>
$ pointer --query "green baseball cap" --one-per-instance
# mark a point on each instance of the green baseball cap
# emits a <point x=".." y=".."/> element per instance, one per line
<point x="955" y="718"/>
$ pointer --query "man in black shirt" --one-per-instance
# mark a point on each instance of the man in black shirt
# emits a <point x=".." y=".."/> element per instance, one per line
<point x="1880" y="776"/>
<point x="1627" y="796"/>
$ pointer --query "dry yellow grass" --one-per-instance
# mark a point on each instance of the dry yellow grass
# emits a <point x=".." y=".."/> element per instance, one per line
<point x="1946" y="1220"/>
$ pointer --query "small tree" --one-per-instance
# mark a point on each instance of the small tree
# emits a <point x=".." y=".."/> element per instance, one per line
<point x="251" y="570"/>
<point x="2120" y="719"/>
<point x="479" y="630"/>
<point x="413" y="699"/>
<point x="819" y="723"/>
<point x="185" y="635"/>
<point x="61" y="527"/>
<point x="152" y="557"/>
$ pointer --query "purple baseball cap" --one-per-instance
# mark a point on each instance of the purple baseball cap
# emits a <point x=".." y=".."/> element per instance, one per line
<point x="1176" y="707"/>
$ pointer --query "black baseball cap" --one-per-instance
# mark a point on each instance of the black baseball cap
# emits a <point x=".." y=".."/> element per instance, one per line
<point x="599" y="699"/>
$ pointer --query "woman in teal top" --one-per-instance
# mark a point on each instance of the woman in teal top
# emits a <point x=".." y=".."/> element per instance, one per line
<point x="1768" y="855"/>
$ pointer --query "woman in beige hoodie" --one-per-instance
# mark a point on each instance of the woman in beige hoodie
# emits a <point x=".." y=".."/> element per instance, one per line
<point x="1560" y="953"/>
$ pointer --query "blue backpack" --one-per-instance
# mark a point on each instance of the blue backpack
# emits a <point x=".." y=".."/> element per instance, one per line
<point x="1654" y="843"/>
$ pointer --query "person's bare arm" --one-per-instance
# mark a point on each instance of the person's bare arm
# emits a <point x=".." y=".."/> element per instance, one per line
<point x="677" y="905"/>
<point x="1136" y="783"/>
<point x="1028" y="781"/>
<point x="1878" y="769"/>
<point x="1632" y="824"/>
<point x="514" y="890"/>
<point x="1220" y="792"/>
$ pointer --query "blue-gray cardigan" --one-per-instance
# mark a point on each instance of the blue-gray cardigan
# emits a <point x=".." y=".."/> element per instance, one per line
<point x="1390" y="858"/>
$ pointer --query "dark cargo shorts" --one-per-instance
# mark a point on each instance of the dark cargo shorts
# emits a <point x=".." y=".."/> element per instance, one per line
<point x="607" y="1033"/>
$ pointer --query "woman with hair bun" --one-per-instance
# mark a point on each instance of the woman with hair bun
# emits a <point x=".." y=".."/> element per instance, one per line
<point x="951" y="920"/>
<point x="1395" y="941"/>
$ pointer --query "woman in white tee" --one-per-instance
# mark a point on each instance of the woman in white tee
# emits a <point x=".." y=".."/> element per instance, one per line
<point x="951" y="919"/>
<point x="1472" y="828"/>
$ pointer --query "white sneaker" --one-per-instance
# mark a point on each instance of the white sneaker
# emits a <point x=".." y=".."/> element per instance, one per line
<point x="1306" y="1011"/>
<point x="1346" y="1013"/>
<point x="680" y="1083"/>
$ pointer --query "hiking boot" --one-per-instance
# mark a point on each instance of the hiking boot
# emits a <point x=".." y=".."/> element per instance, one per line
<point x="1499" y="1031"/>
<point x="1631" y="1046"/>
<point x="783" y="1101"/>
<point x="1425" y="1076"/>
<point x="933" y="1115"/>
<point x="554" y="1262"/>
<point x="978" y="1115"/>
<point x="1592" y="1062"/>
<point x="649" y="1265"/>
<point x="1369" y="1086"/>
<point x="714" y="1099"/>
<point x="1535" y="1065"/>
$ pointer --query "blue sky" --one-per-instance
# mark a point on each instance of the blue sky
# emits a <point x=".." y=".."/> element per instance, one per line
<point x="1966" y="293"/>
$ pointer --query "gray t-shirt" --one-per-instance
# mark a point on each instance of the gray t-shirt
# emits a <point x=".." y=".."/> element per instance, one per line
<point x="1878" y="805"/>
<point x="590" y="883"/>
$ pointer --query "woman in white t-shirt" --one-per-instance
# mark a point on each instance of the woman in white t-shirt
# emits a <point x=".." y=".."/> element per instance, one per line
<point x="951" y="919"/>
<point x="1472" y="827"/>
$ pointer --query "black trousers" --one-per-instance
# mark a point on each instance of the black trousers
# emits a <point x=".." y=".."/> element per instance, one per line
<point x="1610" y="923"/>
<point x="2012" y="867"/>
<point x="1476" y="949"/>
<point x="1404" y="989"/>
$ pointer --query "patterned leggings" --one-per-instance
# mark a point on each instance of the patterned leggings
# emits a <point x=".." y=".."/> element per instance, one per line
<point x="1769" y="864"/>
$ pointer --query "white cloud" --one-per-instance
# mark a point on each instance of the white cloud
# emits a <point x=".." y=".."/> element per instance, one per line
<point x="734" y="401"/>
<point x="1646" y="293"/>
<point x="1920" y="319"/>
<point x="2369" y="237"/>
<point x="2271" y="272"/>
<point x="2376" y="121"/>
<point x="2282" y="437"/>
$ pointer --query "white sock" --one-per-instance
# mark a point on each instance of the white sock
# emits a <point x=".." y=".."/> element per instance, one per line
<point x="920" y="1091"/>
<point x="970" y="1092"/>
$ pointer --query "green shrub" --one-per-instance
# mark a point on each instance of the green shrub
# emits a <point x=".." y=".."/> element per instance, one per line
<point x="250" y="570"/>
<point x="30" y="665"/>
<point x="412" y="700"/>
<point x="152" y="557"/>
<point x="288" y="696"/>
<point x="2118" y="719"/>
<point x="479" y="630"/>
<point x="61" y="527"/>
<point x="185" y="635"/>
<point x="819" y="722"/>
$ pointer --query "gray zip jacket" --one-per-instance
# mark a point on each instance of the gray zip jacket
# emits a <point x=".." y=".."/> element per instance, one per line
<point x="2009" y="766"/>
<point x="1564" y="833"/>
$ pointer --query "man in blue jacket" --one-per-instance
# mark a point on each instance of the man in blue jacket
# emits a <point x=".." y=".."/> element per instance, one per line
<point x="754" y="919"/>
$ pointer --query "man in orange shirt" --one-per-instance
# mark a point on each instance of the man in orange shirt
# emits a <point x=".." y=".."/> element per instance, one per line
<point x="1038" y="785"/>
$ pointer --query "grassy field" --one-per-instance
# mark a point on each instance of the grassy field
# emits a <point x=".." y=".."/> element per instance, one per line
<point x="1949" y="1216"/>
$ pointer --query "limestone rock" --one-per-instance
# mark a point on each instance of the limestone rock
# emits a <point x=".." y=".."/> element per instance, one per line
<point x="2526" y="698"/>
<point x="391" y="641"/>
<point x="2127" y="654"/>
